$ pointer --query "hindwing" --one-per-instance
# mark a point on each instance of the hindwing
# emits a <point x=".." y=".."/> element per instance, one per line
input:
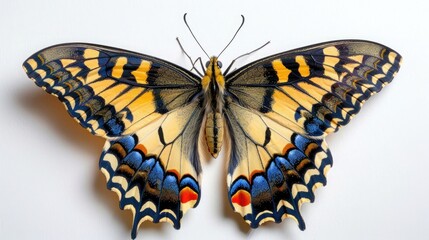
<point x="155" y="171"/>
<point x="272" y="169"/>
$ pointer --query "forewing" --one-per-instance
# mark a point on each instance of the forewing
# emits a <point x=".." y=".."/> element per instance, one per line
<point x="317" y="89"/>
<point x="111" y="92"/>
<point x="280" y="108"/>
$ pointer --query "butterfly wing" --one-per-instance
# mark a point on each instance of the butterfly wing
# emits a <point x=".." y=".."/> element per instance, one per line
<point x="280" y="109"/>
<point x="155" y="171"/>
<point x="111" y="92"/>
<point x="272" y="169"/>
<point x="146" y="108"/>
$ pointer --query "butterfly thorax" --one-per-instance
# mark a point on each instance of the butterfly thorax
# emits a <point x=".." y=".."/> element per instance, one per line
<point x="213" y="84"/>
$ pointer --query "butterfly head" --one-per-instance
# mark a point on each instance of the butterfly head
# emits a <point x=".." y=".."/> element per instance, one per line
<point x="213" y="77"/>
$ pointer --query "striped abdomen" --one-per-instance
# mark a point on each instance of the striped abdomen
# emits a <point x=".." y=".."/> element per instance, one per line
<point x="214" y="133"/>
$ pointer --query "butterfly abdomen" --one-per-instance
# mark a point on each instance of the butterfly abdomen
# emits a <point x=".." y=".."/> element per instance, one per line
<point x="213" y="84"/>
<point x="214" y="133"/>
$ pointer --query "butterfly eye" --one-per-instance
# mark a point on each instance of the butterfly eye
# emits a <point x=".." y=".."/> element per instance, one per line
<point x="219" y="64"/>
<point x="207" y="64"/>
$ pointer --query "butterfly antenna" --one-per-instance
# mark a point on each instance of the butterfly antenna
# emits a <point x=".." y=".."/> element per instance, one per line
<point x="187" y="25"/>
<point x="189" y="57"/>
<point x="243" y="55"/>
<point x="232" y="39"/>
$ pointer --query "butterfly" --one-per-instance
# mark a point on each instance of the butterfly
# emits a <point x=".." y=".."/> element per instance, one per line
<point x="274" y="112"/>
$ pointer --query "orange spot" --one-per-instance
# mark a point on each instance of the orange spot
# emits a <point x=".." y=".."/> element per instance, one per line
<point x="310" y="148"/>
<point x="302" y="164"/>
<point x="242" y="198"/>
<point x="187" y="195"/>
<point x="254" y="173"/>
<point x="175" y="172"/>
<point x="287" y="148"/>
<point x="141" y="148"/>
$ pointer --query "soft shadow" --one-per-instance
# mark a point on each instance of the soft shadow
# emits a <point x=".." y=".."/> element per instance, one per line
<point x="49" y="109"/>
<point x="284" y="227"/>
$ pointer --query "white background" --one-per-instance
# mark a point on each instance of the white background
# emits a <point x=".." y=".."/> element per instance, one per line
<point x="49" y="180"/>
